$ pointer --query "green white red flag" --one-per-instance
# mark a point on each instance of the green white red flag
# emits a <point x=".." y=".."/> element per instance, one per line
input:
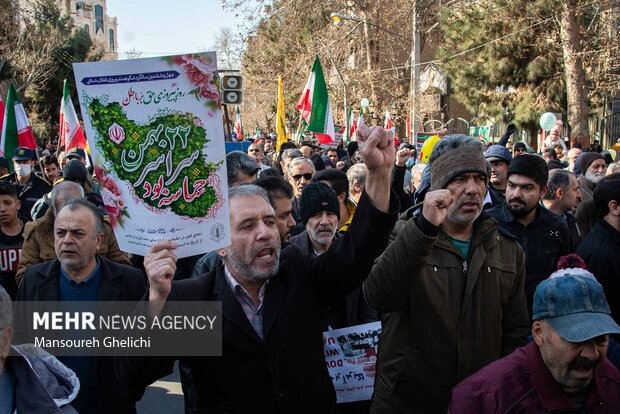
<point x="351" y="126"/>
<point x="2" y="109"/>
<point x="70" y="134"/>
<point x="238" y="129"/>
<point x="315" y="107"/>
<point x="388" y="124"/>
<point x="16" y="130"/>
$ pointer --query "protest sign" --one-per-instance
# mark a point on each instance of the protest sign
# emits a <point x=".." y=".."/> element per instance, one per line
<point x="154" y="128"/>
<point x="350" y="355"/>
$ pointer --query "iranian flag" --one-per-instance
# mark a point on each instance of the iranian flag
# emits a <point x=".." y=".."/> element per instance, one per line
<point x="315" y="107"/>
<point x="388" y="124"/>
<point x="357" y="124"/>
<point x="70" y="134"/>
<point x="16" y="130"/>
<point x="2" y="109"/>
<point x="238" y="129"/>
<point x="351" y="126"/>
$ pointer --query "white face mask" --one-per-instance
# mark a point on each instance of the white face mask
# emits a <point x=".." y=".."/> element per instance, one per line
<point x="23" y="170"/>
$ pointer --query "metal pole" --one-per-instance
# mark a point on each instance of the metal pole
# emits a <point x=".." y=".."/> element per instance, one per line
<point x="227" y="122"/>
<point x="344" y="86"/>
<point x="346" y="110"/>
<point x="415" y="74"/>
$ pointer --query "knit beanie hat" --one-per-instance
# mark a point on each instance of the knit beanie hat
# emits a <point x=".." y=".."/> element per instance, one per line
<point x="519" y="145"/>
<point x="455" y="162"/>
<point x="531" y="166"/>
<point x="317" y="197"/>
<point x="587" y="158"/>
<point x="74" y="171"/>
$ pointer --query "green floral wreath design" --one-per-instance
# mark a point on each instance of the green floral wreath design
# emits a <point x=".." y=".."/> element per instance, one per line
<point x="111" y="124"/>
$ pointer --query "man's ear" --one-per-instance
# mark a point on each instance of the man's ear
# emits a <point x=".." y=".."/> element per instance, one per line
<point x="614" y="207"/>
<point x="543" y="190"/>
<point x="99" y="239"/>
<point x="537" y="333"/>
<point x="342" y="197"/>
<point x="559" y="194"/>
<point x="7" y="335"/>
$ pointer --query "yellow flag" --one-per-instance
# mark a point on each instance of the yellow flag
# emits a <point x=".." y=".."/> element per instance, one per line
<point x="280" y="116"/>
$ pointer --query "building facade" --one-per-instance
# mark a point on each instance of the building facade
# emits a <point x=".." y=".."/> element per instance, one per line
<point x="92" y="16"/>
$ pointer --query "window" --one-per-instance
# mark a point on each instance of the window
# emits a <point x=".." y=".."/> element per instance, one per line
<point x="87" y="29"/>
<point x="111" y="33"/>
<point x="98" y="18"/>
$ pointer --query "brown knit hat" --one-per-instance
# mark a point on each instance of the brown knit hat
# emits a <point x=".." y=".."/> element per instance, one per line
<point x="587" y="158"/>
<point x="455" y="162"/>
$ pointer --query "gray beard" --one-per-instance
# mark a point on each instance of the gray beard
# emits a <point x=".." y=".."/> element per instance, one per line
<point x="594" y="178"/>
<point x="249" y="273"/>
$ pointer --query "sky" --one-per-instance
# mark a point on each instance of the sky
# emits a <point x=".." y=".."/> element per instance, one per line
<point x="155" y="28"/>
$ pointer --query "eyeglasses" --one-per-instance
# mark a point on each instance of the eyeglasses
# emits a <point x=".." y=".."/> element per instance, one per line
<point x="253" y="150"/>
<point x="520" y="150"/>
<point x="307" y="176"/>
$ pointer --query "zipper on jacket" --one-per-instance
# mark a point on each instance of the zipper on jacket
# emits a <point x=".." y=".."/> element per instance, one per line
<point x="464" y="266"/>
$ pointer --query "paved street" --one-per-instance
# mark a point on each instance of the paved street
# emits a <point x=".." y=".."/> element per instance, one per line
<point x="164" y="396"/>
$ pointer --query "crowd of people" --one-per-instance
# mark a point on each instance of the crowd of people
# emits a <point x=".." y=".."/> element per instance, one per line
<point x="494" y="271"/>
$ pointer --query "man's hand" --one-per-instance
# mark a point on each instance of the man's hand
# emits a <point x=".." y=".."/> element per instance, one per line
<point x="435" y="207"/>
<point x="402" y="156"/>
<point x="160" y="264"/>
<point x="376" y="145"/>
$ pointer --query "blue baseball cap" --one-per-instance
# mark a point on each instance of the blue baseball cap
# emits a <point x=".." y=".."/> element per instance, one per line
<point x="573" y="303"/>
<point x="498" y="152"/>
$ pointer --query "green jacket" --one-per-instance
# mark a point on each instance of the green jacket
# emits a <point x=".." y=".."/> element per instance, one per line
<point x="444" y="317"/>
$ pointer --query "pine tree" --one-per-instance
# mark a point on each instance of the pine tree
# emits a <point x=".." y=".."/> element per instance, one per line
<point x="521" y="58"/>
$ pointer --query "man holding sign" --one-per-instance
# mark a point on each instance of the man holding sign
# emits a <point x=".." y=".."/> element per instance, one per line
<point x="272" y="351"/>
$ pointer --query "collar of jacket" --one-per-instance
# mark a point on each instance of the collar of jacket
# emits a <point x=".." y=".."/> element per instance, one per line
<point x="484" y="227"/>
<point x="47" y="283"/>
<point x="273" y="302"/>
<point x="541" y="214"/>
<point x="611" y="231"/>
<point x="30" y="182"/>
<point x="551" y="395"/>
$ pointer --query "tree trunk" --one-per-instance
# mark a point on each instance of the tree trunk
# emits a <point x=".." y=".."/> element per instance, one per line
<point x="369" y="46"/>
<point x="577" y="98"/>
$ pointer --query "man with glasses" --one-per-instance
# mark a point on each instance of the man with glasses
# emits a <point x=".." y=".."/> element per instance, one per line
<point x="288" y="155"/>
<point x="571" y="157"/>
<point x="258" y="154"/>
<point x="300" y="172"/>
<point x="519" y="149"/>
